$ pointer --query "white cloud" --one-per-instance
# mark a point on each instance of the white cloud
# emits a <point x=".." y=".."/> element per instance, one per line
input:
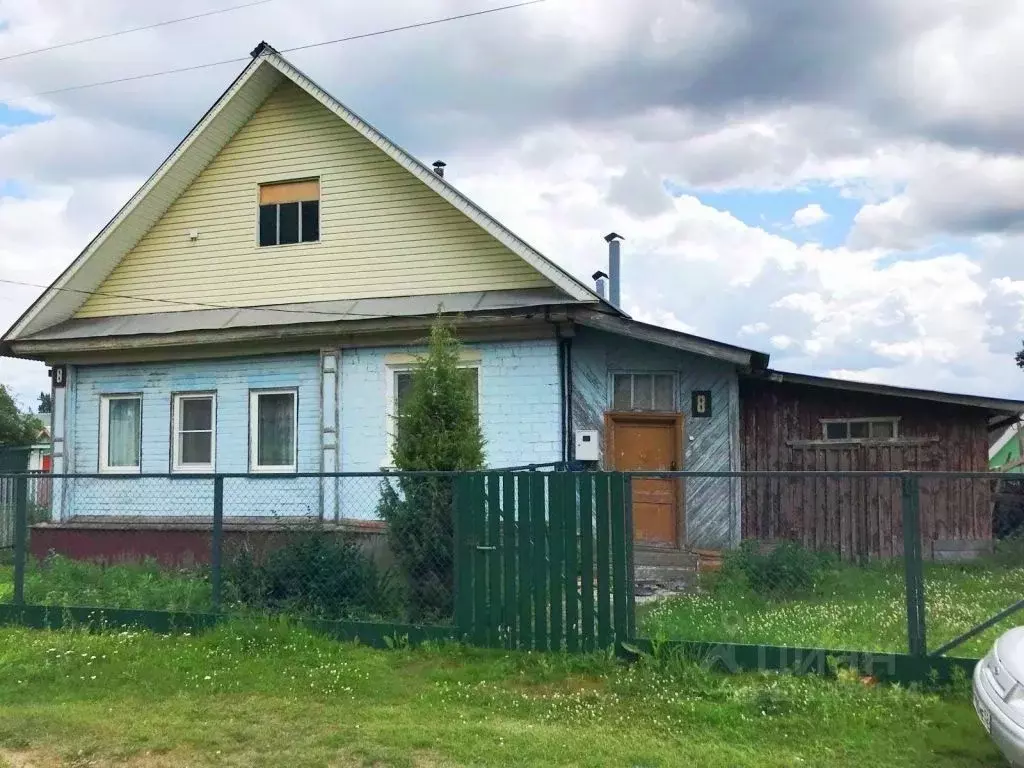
<point x="810" y="215"/>
<point x="751" y="329"/>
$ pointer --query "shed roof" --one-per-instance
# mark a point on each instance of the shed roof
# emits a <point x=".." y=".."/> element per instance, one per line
<point x="993" y="404"/>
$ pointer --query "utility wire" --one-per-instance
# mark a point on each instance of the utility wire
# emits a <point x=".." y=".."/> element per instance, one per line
<point x="107" y="35"/>
<point x="307" y="46"/>
<point x="196" y="304"/>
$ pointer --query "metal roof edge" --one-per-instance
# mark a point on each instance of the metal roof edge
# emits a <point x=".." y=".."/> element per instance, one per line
<point x="686" y="342"/>
<point x="889" y="390"/>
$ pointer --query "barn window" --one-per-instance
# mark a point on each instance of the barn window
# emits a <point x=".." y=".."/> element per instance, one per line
<point x="289" y="213"/>
<point x="861" y="429"/>
<point x="643" y="392"/>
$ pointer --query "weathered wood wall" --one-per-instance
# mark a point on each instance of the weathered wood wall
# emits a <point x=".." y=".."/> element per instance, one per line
<point x="859" y="517"/>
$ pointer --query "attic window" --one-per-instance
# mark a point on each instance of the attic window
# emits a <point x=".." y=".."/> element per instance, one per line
<point x="290" y="212"/>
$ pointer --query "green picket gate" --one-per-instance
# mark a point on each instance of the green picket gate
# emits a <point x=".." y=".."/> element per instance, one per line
<point x="543" y="560"/>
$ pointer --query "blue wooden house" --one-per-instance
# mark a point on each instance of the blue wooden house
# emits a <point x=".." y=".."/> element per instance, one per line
<point x="257" y="305"/>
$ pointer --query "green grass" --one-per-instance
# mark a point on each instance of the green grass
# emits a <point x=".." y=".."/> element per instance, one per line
<point x="851" y="608"/>
<point x="265" y="694"/>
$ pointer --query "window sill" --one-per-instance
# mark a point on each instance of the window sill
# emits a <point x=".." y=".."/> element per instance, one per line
<point x="193" y="469"/>
<point x="290" y="470"/>
<point x="288" y="245"/>
<point x="120" y="470"/>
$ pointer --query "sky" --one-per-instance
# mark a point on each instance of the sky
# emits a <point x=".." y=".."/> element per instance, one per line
<point x="839" y="184"/>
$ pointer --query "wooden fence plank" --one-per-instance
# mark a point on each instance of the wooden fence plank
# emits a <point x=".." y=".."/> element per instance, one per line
<point x="538" y="511"/>
<point x="524" y="582"/>
<point x="603" y="554"/>
<point x="587" y="560"/>
<point x="570" y="538"/>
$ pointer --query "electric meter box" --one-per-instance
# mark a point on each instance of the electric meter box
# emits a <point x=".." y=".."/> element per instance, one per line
<point x="588" y="446"/>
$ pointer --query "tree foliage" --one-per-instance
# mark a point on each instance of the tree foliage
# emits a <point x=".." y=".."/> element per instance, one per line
<point x="1020" y="359"/>
<point x="45" y="403"/>
<point x="16" y="428"/>
<point x="438" y="429"/>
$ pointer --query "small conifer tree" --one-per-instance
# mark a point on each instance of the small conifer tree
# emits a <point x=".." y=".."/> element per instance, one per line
<point x="437" y="429"/>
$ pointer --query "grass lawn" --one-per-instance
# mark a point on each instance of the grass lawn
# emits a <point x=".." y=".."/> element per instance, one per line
<point x="850" y="608"/>
<point x="265" y="694"/>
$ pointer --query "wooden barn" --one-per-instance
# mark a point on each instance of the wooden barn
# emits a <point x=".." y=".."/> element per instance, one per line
<point x="797" y="422"/>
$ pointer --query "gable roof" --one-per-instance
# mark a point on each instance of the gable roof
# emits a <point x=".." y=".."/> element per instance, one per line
<point x="215" y="129"/>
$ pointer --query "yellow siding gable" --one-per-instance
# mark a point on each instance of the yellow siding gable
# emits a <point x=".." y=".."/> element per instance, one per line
<point x="382" y="231"/>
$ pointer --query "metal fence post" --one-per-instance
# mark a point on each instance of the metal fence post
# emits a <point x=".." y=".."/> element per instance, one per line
<point x="913" y="565"/>
<point x="20" y="537"/>
<point x="217" y="543"/>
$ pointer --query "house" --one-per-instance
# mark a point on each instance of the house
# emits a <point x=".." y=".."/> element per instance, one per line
<point x="796" y="422"/>
<point x="256" y="307"/>
<point x="1004" y="454"/>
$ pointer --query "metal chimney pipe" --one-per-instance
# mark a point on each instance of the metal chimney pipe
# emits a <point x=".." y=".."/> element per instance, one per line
<point x="614" y="268"/>
<point x="439" y="167"/>
<point x="599" y="279"/>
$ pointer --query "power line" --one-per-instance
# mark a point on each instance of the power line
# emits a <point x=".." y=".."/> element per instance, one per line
<point x="193" y="304"/>
<point x="107" y="35"/>
<point x="307" y="46"/>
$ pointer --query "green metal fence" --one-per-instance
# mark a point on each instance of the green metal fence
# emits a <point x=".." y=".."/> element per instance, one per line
<point x="894" y="573"/>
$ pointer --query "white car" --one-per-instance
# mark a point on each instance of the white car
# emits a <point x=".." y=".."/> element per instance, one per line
<point x="999" y="694"/>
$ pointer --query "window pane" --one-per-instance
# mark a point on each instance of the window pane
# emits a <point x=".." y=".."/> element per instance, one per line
<point x="310" y="221"/>
<point x="643" y="394"/>
<point x="123" y="420"/>
<point x="836" y="430"/>
<point x="275" y="438"/>
<point x="403" y="386"/>
<point x="474" y="385"/>
<point x="663" y="400"/>
<point x="195" y="448"/>
<point x="268" y="225"/>
<point x="288" y="223"/>
<point x="196" y="413"/>
<point x="858" y="429"/>
<point x="622" y="399"/>
<point x="882" y="430"/>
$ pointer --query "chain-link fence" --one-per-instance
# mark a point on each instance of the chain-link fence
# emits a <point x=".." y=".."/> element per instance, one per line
<point x="876" y="562"/>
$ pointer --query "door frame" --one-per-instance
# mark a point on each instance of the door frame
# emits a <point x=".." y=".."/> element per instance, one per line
<point x="673" y="418"/>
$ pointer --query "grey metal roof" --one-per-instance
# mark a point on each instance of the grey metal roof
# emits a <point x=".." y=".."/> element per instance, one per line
<point x="293" y="314"/>
<point x="666" y="337"/>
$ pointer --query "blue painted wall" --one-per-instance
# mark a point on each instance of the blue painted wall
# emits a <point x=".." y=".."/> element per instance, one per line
<point x="231" y="379"/>
<point x="711" y="504"/>
<point x="519" y="405"/>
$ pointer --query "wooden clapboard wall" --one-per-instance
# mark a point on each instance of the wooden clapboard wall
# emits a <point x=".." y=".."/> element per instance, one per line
<point x="859" y="517"/>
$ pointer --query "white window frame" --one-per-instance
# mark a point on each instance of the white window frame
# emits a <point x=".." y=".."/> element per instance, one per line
<point x="176" y="400"/>
<point x="632" y="379"/>
<point x="391" y="412"/>
<point x="254" y="433"/>
<point x="894" y="420"/>
<point x="104" y="434"/>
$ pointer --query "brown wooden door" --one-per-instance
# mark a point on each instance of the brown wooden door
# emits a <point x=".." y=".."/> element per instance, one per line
<point x="638" y="443"/>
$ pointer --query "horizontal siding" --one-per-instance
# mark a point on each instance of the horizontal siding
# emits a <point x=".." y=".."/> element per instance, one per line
<point x="231" y="379"/>
<point x="383" y="232"/>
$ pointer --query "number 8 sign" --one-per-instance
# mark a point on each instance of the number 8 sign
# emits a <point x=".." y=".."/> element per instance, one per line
<point x="59" y="373"/>
<point x="700" y="406"/>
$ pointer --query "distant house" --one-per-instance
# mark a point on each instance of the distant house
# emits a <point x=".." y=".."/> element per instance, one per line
<point x="1005" y="454"/>
<point x="257" y="305"/>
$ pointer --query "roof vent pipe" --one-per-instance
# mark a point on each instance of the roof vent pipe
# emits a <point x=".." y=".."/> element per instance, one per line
<point x="599" y="279"/>
<point x="614" y="270"/>
<point x="439" y="167"/>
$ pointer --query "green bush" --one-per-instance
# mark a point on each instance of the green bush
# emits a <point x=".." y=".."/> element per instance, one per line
<point x="316" y="573"/>
<point x="783" y="569"/>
